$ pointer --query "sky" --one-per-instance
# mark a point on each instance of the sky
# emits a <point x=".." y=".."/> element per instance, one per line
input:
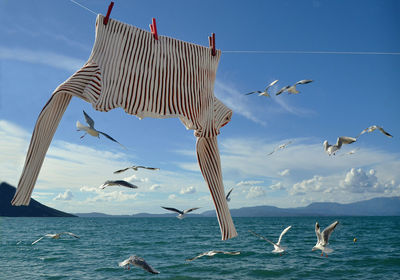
<point x="45" y="42"/>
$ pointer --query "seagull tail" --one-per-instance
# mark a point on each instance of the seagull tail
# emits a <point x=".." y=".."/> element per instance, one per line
<point x="210" y="166"/>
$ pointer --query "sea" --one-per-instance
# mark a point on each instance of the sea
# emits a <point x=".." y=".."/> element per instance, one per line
<point x="167" y="243"/>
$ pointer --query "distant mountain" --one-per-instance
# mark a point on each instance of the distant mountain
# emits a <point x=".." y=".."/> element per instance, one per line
<point x="34" y="209"/>
<point x="382" y="206"/>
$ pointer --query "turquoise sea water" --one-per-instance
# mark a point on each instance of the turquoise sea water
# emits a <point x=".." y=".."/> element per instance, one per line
<point x="166" y="243"/>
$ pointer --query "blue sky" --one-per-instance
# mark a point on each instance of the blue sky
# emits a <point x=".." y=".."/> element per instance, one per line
<point x="44" y="42"/>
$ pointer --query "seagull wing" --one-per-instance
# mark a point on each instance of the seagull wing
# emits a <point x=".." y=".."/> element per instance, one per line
<point x="124" y="263"/>
<point x="190" y="210"/>
<point x="125" y="184"/>
<point x="253" y="92"/>
<point x="282" y="90"/>
<point x="328" y="231"/>
<point x="70" y="233"/>
<point x="317" y="232"/>
<point x="172" y="209"/>
<point x="231" y="253"/>
<point x="384" y="132"/>
<point x="199" y="256"/>
<point x="112" y="139"/>
<point x="263" y="238"/>
<point x="271" y="84"/>
<point x="282" y="234"/>
<point x="36" y="241"/>
<point x="89" y="120"/>
<point x="303" y="82"/>
<point x="121" y="170"/>
<point x="345" y="140"/>
<point x="139" y="262"/>
<point x="81" y="127"/>
<point x="106" y="184"/>
<point x="229" y="193"/>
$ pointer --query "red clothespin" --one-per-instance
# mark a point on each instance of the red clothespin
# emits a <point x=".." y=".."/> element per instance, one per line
<point x="211" y="41"/>
<point x="153" y="29"/>
<point x="105" y="21"/>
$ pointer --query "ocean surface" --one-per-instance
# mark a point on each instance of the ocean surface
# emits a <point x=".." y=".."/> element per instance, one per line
<point x="166" y="243"/>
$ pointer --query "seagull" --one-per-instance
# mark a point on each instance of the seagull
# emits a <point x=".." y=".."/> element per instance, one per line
<point x="277" y="246"/>
<point x="135" y="167"/>
<point x="54" y="236"/>
<point x="265" y="92"/>
<point x="118" y="183"/>
<point x="91" y="130"/>
<point x="323" y="238"/>
<point x="139" y="262"/>
<point x="283" y="90"/>
<point x="293" y="89"/>
<point x="227" y="196"/>
<point x="181" y="213"/>
<point x="282" y="146"/>
<point x="331" y="149"/>
<point x="373" y="128"/>
<point x="213" y="253"/>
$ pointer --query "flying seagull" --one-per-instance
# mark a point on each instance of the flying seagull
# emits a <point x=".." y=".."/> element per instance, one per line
<point x="54" y="236"/>
<point x="227" y="196"/>
<point x="331" y="149"/>
<point x="373" y="128"/>
<point x="213" y="253"/>
<point x="118" y="183"/>
<point x="91" y="130"/>
<point x="323" y="238"/>
<point x="282" y="90"/>
<point x="139" y="262"/>
<point x="293" y="89"/>
<point x="277" y="246"/>
<point x="135" y="167"/>
<point x="282" y="146"/>
<point x="265" y="92"/>
<point x="181" y="213"/>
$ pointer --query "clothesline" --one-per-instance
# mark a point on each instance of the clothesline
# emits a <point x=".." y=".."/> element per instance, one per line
<point x="281" y="52"/>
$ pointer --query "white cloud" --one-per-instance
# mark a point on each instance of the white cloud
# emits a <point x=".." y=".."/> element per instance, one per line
<point x="134" y="178"/>
<point x="249" y="183"/>
<point x="155" y="187"/>
<point x="172" y="196"/>
<point x="310" y="185"/>
<point x="188" y="190"/>
<point x="104" y="195"/>
<point x="284" y="172"/>
<point x="42" y="57"/>
<point x="256" y="192"/>
<point x="277" y="186"/>
<point x="67" y="195"/>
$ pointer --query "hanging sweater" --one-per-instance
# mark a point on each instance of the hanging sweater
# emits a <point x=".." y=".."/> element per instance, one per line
<point x="161" y="78"/>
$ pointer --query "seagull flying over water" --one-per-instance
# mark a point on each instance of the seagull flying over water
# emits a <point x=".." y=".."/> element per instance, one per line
<point x="228" y="194"/>
<point x="213" y="253"/>
<point x="282" y="146"/>
<point x="139" y="262"/>
<point x="181" y="213"/>
<point x="118" y="183"/>
<point x="135" y="167"/>
<point x="331" y="149"/>
<point x="265" y="92"/>
<point x="373" y="128"/>
<point x="277" y="246"/>
<point x="91" y="130"/>
<point x="323" y="238"/>
<point x="293" y="89"/>
<point x="55" y="236"/>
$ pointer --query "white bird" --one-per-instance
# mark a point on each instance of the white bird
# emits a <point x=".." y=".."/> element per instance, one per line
<point x="91" y="130"/>
<point x="228" y="195"/>
<point x="323" y="238"/>
<point x="55" y="236"/>
<point x="135" y="167"/>
<point x="181" y="213"/>
<point x="213" y="253"/>
<point x="139" y="262"/>
<point x="282" y="146"/>
<point x="265" y="92"/>
<point x="331" y="149"/>
<point x="373" y="128"/>
<point x="282" y="90"/>
<point x="293" y="89"/>
<point x="122" y="183"/>
<point x="277" y="246"/>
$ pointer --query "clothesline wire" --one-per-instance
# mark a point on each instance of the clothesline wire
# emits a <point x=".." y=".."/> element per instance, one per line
<point x="279" y="52"/>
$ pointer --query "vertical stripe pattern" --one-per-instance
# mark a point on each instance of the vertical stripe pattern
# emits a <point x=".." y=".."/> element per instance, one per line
<point x="161" y="78"/>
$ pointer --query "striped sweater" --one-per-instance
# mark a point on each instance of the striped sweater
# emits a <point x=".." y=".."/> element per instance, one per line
<point x="161" y="78"/>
